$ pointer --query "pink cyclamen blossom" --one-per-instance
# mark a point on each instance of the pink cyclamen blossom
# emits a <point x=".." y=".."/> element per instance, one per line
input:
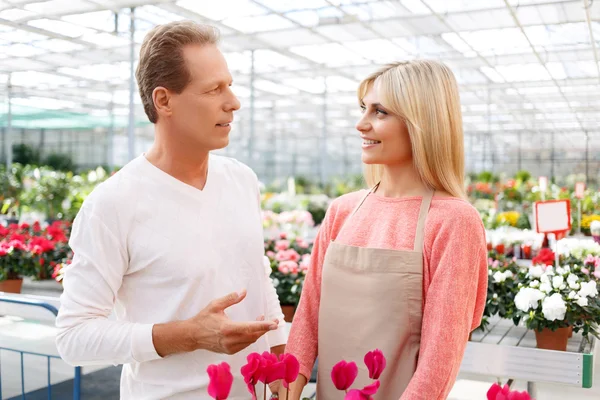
<point x="365" y="393"/>
<point x="252" y="372"/>
<point x="343" y="374"/>
<point x="292" y="369"/>
<point x="375" y="362"/>
<point x="221" y="381"/>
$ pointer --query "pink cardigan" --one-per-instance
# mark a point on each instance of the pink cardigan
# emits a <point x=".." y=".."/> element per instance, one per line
<point x="454" y="279"/>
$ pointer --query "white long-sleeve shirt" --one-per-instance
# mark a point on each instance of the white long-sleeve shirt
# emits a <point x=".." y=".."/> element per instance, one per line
<point x="154" y="250"/>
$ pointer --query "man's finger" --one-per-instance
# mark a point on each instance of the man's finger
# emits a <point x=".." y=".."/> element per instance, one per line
<point x="251" y="328"/>
<point x="227" y="301"/>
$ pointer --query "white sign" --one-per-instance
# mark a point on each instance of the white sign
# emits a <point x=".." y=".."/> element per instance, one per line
<point x="552" y="216"/>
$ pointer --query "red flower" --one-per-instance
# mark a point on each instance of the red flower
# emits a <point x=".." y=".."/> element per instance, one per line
<point x="366" y="393"/>
<point x="24" y="226"/>
<point x="545" y="256"/>
<point x="36" y="227"/>
<point x="221" y="380"/>
<point x="375" y="362"/>
<point x="283" y="235"/>
<point x="343" y="374"/>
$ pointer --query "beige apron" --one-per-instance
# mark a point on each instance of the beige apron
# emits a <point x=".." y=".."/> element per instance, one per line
<point x="371" y="298"/>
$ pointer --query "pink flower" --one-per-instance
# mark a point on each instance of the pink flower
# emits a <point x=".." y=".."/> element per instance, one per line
<point x="270" y="254"/>
<point x="272" y="369"/>
<point x="292" y="369"/>
<point x="585" y="271"/>
<point x="343" y="374"/>
<point x="252" y="371"/>
<point x="281" y="256"/>
<point x="366" y="393"/>
<point x="597" y="273"/>
<point x="221" y="380"/>
<point x="495" y="264"/>
<point x="503" y="393"/>
<point x="375" y="362"/>
<point x="288" y="266"/>
<point x="283" y="235"/>
<point x="281" y="245"/>
<point x="292" y="255"/>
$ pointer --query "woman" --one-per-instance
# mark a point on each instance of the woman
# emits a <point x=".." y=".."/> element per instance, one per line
<point x="401" y="267"/>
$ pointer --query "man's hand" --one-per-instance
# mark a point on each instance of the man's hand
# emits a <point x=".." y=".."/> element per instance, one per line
<point x="210" y="330"/>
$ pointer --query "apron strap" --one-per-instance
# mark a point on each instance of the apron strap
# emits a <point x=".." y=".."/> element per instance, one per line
<point x="420" y="235"/>
<point x="364" y="198"/>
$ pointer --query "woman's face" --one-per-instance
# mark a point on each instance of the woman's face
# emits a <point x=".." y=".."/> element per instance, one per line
<point x="385" y="136"/>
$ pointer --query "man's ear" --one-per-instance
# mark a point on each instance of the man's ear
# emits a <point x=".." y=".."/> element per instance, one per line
<point x="162" y="101"/>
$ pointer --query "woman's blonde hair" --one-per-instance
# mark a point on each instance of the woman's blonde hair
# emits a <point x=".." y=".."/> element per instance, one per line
<point x="425" y="95"/>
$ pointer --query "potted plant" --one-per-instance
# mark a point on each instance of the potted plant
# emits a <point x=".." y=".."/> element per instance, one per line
<point x="552" y="301"/>
<point x="289" y="258"/>
<point x="16" y="261"/>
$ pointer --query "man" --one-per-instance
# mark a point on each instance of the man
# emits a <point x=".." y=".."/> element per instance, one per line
<point x="173" y="242"/>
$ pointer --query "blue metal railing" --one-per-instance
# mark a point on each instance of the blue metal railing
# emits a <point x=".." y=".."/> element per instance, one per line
<point x="53" y="310"/>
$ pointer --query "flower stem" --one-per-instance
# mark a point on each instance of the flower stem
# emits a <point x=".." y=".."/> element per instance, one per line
<point x="265" y="396"/>
<point x="255" y="397"/>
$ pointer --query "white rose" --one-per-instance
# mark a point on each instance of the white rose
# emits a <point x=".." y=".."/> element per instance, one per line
<point x="528" y="298"/>
<point x="534" y="284"/>
<point x="588" y="289"/>
<point x="582" y="301"/>
<point x="499" y="277"/>
<point x="557" y="282"/>
<point x="546" y="287"/>
<point x="554" y="307"/>
<point x="536" y="271"/>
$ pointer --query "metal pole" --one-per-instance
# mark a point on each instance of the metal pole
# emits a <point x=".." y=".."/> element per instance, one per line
<point x="252" y="109"/>
<point x="587" y="157"/>
<point x="8" y="148"/>
<point x="323" y="159"/>
<point x="110" y="156"/>
<point x="131" y="127"/>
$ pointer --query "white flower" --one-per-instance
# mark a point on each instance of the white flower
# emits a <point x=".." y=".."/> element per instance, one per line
<point x="572" y="295"/>
<point x="554" y="307"/>
<point x="560" y="270"/>
<point x="499" y="277"/>
<point x="573" y="286"/>
<point x="495" y="296"/>
<point x="508" y="274"/>
<point x="545" y="279"/>
<point x="582" y="301"/>
<point x="536" y="271"/>
<point x="534" y="284"/>
<point x="572" y="278"/>
<point x="588" y="289"/>
<point x="567" y="269"/>
<point x="558" y="281"/>
<point x="489" y="271"/>
<point x="528" y="298"/>
<point x="546" y="287"/>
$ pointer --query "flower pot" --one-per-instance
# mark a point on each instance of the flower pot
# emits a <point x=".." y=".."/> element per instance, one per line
<point x="553" y="340"/>
<point x="570" y="332"/>
<point x="11" y="285"/>
<point x="288" y="312"/>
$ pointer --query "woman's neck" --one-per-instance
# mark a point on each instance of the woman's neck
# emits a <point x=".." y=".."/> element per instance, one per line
<point x="401" y="181"/>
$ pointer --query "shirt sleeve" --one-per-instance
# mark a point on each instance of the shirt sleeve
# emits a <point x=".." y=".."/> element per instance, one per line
<point x="86" y="335"/>
<point x="453" y="306"/>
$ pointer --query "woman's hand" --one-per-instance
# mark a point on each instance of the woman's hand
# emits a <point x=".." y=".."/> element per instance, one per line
<point x="296" y="388"/>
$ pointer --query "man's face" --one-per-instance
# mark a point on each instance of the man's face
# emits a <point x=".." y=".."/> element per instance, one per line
<point x="203" y="111"/>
